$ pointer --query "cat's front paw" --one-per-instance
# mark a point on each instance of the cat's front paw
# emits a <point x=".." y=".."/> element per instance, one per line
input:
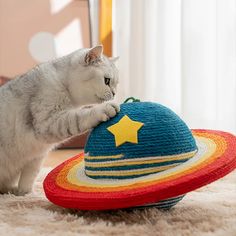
<point x="22" y="191"/>
<point x="106" y="110"/>
<point x="9" y="190"/>
<point x="97" y="114"/>
<point x="15" y="191"/>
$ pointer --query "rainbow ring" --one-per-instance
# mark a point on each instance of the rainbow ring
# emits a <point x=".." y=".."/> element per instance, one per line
<point x="68" y="185"/>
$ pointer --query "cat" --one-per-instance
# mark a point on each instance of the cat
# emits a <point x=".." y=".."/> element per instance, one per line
<point x="51" y="103"/>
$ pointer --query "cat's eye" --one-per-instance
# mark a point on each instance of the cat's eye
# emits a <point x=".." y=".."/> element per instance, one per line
<point x="107" y="81"/>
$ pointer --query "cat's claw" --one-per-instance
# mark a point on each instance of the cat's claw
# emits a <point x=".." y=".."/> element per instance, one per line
<point x="99" y="113"/>
<point x="111" y="109"/>
<point x="107" y="110"/>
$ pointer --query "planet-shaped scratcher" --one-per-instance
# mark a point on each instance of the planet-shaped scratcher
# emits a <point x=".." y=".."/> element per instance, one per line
<point x="144" y="156"/>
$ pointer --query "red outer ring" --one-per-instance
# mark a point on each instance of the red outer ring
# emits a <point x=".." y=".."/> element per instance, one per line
<point x="129" y="198"/>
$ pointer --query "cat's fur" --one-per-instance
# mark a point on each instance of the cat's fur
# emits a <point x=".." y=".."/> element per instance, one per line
<point x="46" y="106"/>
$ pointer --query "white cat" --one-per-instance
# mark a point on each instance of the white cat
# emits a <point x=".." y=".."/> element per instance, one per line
<point x="46" y="106"/>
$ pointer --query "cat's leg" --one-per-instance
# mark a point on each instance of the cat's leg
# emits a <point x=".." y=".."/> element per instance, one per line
<point x="9" y="174"/>
<point x="91" y="116"/>
<point x="28" y="175"/>
<point x="10" y="185"/>
<point x="74" y="122"/>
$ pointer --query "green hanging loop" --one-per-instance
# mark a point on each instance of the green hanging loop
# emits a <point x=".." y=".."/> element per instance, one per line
<point x="132" y="100"/>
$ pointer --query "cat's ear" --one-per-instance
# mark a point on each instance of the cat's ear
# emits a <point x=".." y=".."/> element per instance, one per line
<point x="114" y="59"/>
<point x="93" y="54"/>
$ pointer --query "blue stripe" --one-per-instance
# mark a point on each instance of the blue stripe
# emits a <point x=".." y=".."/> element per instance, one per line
<point x="164" y="204"/>
<point x="174" y="199"/>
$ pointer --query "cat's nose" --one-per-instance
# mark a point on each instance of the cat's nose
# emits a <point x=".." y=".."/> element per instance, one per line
<point x="113" y="93"/>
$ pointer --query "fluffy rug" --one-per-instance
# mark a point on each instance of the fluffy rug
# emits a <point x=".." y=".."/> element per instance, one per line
<point x="208" y="211"/>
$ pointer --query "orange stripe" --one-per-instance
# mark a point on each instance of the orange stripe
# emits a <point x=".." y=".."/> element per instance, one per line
<point x="61" y="179"/>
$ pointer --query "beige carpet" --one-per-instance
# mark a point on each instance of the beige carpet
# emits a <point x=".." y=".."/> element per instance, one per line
<point x="208" y="211"/>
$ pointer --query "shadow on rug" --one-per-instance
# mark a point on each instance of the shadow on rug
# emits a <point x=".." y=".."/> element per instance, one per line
<point x="210" y="210"/>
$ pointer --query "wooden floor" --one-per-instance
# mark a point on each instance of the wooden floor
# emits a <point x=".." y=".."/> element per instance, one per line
<point x="58" y="156"/>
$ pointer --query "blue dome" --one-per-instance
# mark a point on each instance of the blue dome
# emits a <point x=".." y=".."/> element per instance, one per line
<point x="163" y="133"/>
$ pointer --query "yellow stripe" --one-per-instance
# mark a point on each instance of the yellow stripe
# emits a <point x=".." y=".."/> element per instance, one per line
<point x="142" y="161"/>
<point x="103" y="157"/>
<point x="128" y="172"/>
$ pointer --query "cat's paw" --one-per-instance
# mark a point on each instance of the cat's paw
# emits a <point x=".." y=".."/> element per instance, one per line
<point x="9" y="190"/>
<point x="97" y="114"/>
<point x="106" y="110"/>
<point x="23" y="191"/>
<point x="15" y="191"/>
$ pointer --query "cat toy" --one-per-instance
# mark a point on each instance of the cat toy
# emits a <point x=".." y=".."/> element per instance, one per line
<point x="144" y="156"/>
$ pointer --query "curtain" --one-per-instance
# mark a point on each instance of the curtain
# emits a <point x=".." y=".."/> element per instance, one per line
<point x="180" y="53"/>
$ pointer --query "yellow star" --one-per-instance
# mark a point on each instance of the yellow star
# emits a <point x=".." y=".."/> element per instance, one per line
<point x="126" y="130"/>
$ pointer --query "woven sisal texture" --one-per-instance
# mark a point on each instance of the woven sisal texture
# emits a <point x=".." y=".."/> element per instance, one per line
<point x="166" y="162"/>
<point x="164" y="141"/>
<point x="163" y="133"/>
